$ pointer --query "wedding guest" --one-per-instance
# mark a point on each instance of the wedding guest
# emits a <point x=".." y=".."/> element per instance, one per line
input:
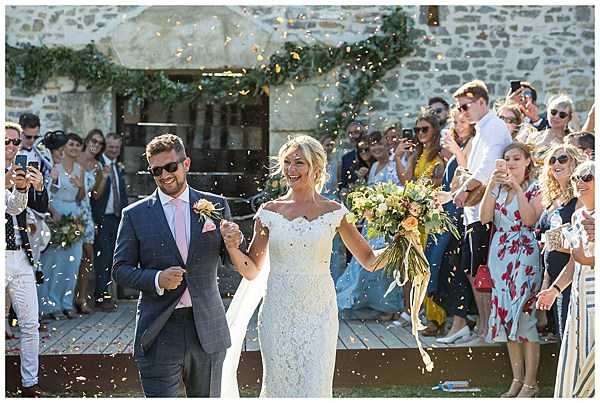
<point x="93" y="147"/>
<point x="526" y="98"/>
<point x="559" y="201"/>
<point x="513" y="203"/>
<point x="52" y="149"/>
<point x="584" y="141"/>
<point x="355" y="131"/>
<point x="30" y="134"/>
<point x="588" y="125"/>
<point x="459" y="296"/>
<point x="426" y="162"/>
<point x="360" y="169"/>
<point x="60" y="264"/>
<point x="109" y="198"/>
<point x="22" y="190"/>
<point x="515" y="121"/>
<point x="338" y="256"/>
<point x="441" y="109"/>
<point x="357" y="288"/>
<point x="576" y="366"/>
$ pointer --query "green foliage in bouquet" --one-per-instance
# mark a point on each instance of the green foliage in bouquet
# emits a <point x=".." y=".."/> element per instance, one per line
<point x="67" y="231"/>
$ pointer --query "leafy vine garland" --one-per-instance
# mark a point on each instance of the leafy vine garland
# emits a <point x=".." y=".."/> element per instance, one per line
<point x="30" y="67"/>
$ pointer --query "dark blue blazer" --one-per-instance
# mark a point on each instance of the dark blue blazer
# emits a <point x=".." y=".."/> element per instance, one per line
<point x="146" y="245"/>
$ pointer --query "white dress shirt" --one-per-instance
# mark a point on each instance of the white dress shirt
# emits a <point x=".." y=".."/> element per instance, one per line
<point x="169" y="209"/>
<point x="491" y="137"/>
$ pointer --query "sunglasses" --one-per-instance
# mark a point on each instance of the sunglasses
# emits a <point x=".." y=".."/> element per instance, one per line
<point x="99" y="142"/>
<point x="363" y="150"/>
<point x="561" y="115"/>
<point x="437" y="111"/>
<point x="562" y="159"/>
<point x="465" y="107"/>
<point x="30" y="137"/>
<point x="508" y="120"/>
<point x="15" y="142"/>
<point x="584" y="178"/>
<point x="170" y="168"/>
<point x="419" y="130"/>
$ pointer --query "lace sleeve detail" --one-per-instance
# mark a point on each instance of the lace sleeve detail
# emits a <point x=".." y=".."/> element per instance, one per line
<point x="265" y="216"/>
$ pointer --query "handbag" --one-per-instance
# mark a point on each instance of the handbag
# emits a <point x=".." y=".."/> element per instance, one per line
<point x="461" y="175"/>
<point x="483" y="279"/>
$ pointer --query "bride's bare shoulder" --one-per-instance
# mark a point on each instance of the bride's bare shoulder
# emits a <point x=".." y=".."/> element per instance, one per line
<point x="273" y="205"/>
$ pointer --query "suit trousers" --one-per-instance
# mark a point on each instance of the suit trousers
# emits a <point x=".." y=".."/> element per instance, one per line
<point x="20" y="284"/>
<point x="104" y="248"/>
<point x="177" y="355"/>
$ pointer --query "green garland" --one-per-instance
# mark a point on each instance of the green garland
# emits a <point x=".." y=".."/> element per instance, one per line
<point x="30" y="67"/>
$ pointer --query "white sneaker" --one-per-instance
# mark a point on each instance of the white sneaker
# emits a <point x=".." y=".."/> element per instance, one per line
<point x="403" y="321"/>
<point x="453" y="337"/>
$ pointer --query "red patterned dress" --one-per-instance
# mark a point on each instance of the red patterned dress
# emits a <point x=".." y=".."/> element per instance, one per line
<point x="514" y="264"/>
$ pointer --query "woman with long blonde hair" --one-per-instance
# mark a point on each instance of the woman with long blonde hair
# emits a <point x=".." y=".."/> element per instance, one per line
<point x="298" y="318"/>
<point x="559" y="201"/>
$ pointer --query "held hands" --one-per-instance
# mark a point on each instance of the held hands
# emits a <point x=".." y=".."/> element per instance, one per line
<point x="460" y="198"/>
<point x="546" y="298"/>
<point x="170" y="278"/>
<point x="15" y="177"/>
<point x="35" y="178"/>
<point x="232" y="236"/>
<point x="588" y="225"/>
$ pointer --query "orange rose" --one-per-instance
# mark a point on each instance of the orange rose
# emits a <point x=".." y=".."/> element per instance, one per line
<point x="368" y="214"/>
<point x="410" y="223"/>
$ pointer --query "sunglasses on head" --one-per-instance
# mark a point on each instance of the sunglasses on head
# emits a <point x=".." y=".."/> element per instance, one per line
<point x="15" y="142"/>
<point x="584" y="178"/>
<point x="170" y="168"/>
<point x="561" y="115"/>
<point x="419" y="130"/>
<point x="562" y="159"/>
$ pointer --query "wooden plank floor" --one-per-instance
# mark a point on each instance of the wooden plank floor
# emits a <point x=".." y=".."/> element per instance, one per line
<point x="112" y="333"/>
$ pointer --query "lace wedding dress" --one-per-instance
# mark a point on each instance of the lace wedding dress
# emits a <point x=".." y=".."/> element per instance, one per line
<point x="298" y="320"/>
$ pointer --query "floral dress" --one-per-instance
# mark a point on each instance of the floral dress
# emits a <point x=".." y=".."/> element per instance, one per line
<point x="514" y="264"/>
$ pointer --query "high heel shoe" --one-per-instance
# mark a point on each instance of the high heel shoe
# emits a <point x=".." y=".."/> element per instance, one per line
<point x="453" y="337"/>
<point x="528" y="391"/>
<point x="515" y="388"/>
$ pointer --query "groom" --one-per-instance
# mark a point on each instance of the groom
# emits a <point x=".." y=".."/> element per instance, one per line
<point x="169" y="251"/>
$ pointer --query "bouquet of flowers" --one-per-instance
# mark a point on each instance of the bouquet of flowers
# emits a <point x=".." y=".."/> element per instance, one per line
<point x="405" y="217"/>
<point x="68" y="230"/>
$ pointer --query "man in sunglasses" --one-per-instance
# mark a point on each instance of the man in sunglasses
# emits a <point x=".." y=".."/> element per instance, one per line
<point x="169" y="247"/>
<point x="441" y="108"/>
<point x="20" y="280"/>
<point x="30" y="134"/>
<point x="107" y="202"/>
<point x="491" y="137"/>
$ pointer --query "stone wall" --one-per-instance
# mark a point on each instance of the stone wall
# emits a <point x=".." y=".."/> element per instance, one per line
<point x="552" y="47"/>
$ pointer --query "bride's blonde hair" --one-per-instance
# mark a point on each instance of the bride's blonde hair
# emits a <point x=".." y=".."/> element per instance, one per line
<point x="315" y="156"/>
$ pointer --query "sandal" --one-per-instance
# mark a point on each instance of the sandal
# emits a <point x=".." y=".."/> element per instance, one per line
<point x="528" y="391"/>
<point x="515" y="387"/>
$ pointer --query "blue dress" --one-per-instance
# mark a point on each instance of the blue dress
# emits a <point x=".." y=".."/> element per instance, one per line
<point x="86" y="207"/>
<point x="61" y="265"/>
<point x="358" y="288"/>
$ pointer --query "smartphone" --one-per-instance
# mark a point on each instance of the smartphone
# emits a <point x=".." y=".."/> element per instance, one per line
<point x="514" y="86"/>
<point x="21" y="160"/>
<point x="407" y="133"/>
<point x="501" y="164"/>
<point x="34" y="164"/>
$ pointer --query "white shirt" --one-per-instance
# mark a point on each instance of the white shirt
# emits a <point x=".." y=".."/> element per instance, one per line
<point x="109" y="204"/>
<point x="491" y="137"/>
<point x="169" y="209"/>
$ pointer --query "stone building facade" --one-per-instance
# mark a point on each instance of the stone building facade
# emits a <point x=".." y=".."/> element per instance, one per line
<point x="552" y="47"/>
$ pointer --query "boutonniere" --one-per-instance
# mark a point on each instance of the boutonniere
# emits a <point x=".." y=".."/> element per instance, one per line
<point x="120" y="166"/>
<point x="206" y="209"/>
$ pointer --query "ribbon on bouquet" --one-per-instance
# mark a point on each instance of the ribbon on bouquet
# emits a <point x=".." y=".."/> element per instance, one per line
<point x="418" y="290"/>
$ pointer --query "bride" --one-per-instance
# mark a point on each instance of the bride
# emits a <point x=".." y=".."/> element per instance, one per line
<point x="298" y="320"/>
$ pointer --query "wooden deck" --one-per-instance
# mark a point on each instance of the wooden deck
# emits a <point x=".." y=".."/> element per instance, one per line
<point x="112" y="333"/>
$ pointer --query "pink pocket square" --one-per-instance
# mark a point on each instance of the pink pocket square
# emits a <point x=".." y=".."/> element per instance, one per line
<point x="209" y="225"/>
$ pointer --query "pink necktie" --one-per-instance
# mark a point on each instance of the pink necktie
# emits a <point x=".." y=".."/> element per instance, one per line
<point x="182" y="245"/>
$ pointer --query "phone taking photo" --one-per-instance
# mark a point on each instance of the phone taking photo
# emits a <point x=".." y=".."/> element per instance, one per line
<point x="21" y="161"/>
<point x="501" y="164"/>
<point x="34" y="164"/>
<point x="514" y="86"/>
<point x="407" y="133"/>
